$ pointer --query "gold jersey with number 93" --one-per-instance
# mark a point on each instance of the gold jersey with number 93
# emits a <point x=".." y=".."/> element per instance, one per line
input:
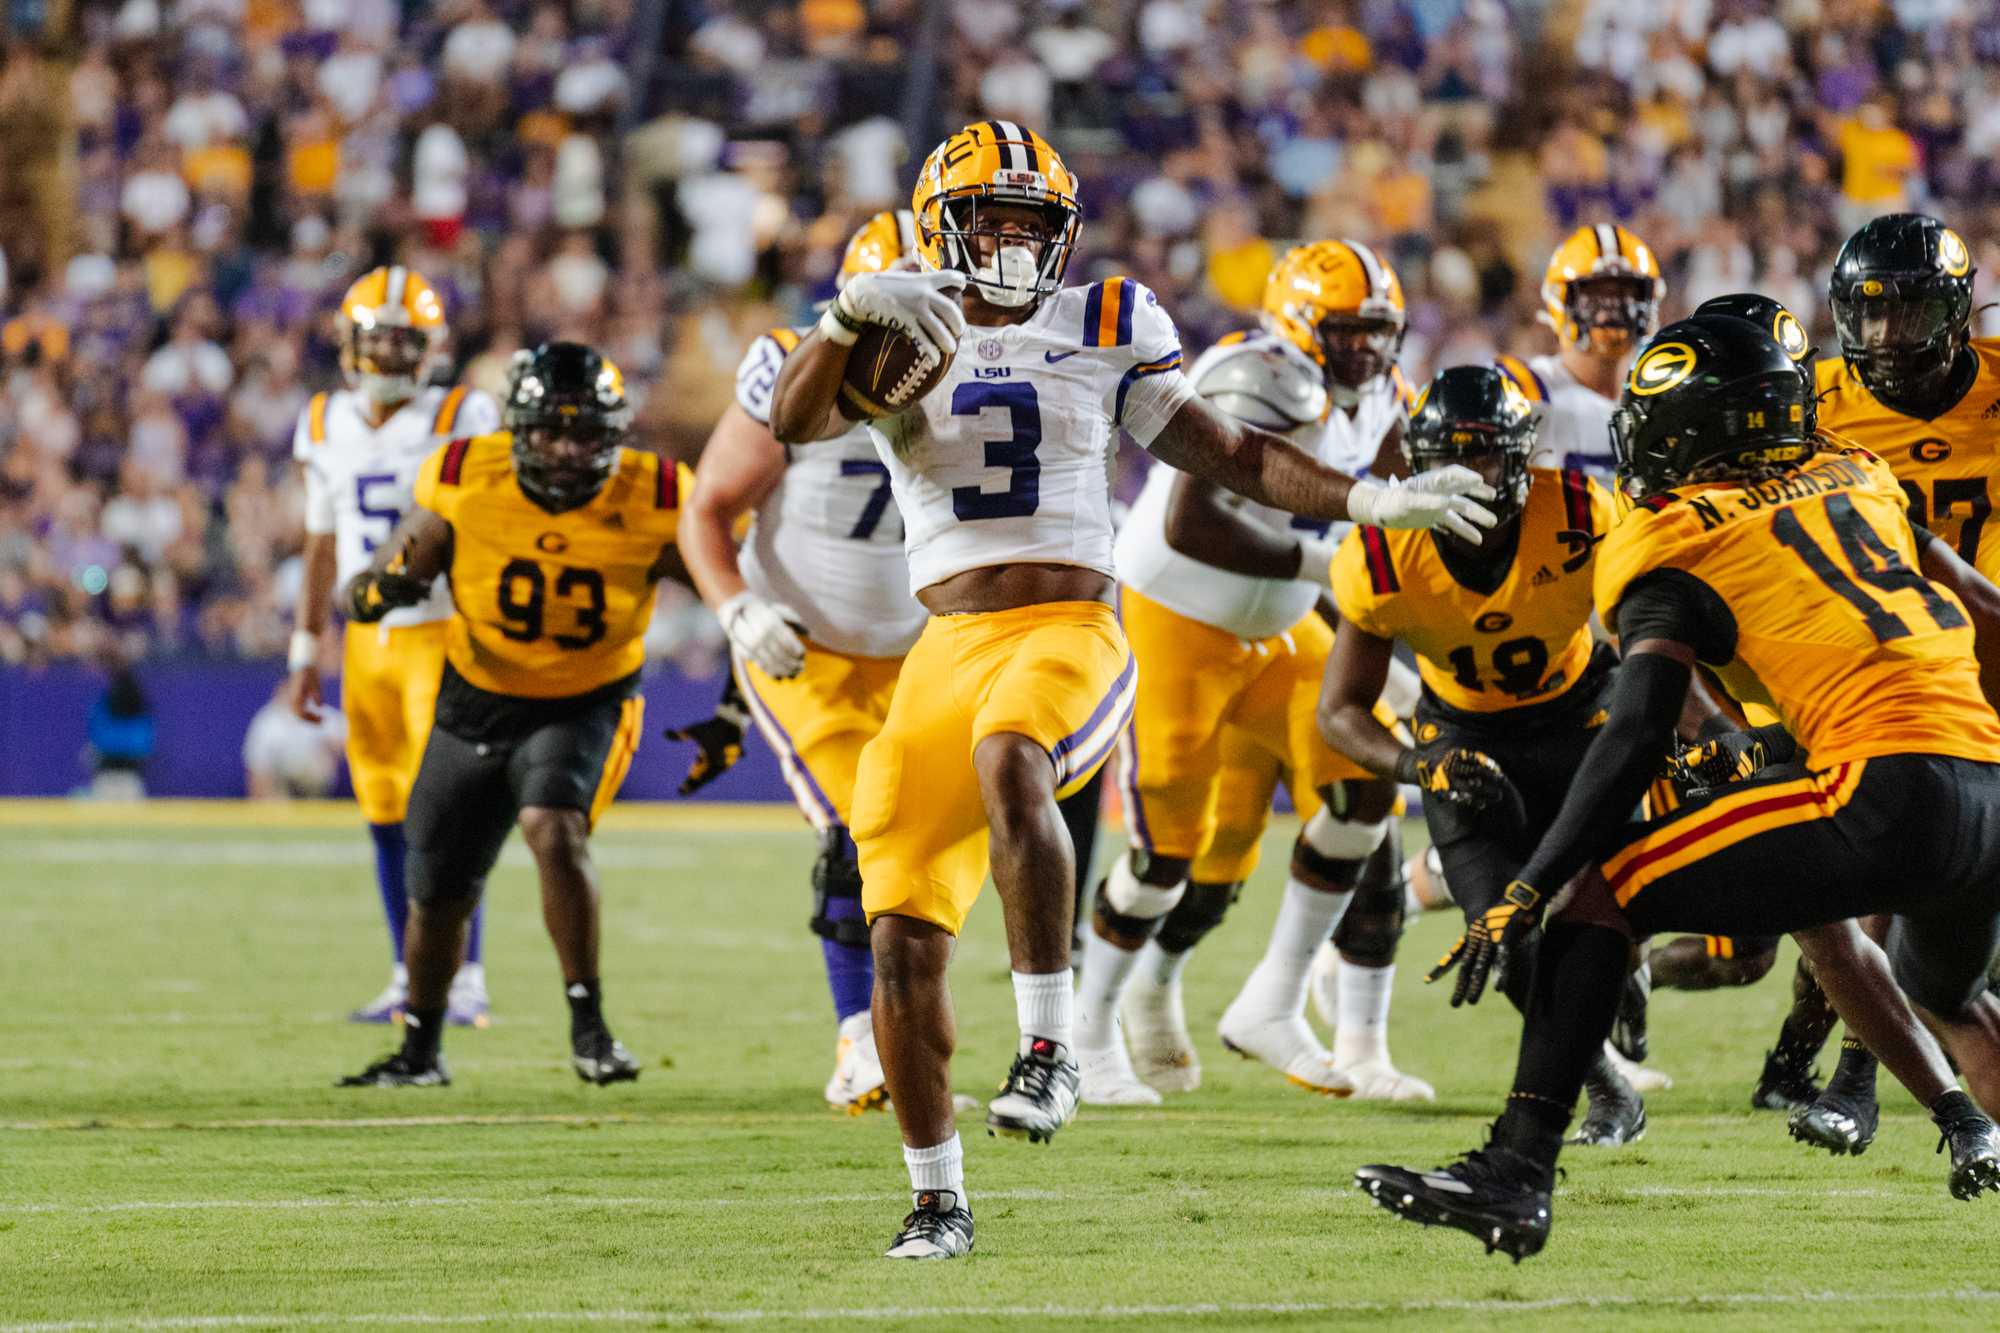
<point x="549" y="605"/>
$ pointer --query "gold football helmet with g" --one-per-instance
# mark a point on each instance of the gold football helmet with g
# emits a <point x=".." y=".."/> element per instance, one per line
<point x="881" y="241"/>
<point x="998" y="169"/>
<point x="391" y="329"/>
<point x="1342" y="305"/>
<point x="1603" y="289"/>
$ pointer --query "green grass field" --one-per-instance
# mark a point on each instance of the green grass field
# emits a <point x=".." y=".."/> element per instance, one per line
<point x="173" y="1155"/>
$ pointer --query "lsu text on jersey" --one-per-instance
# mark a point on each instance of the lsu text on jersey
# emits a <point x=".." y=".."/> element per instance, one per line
<point x="1949" y="465"/>
<point x="358" y="480"/>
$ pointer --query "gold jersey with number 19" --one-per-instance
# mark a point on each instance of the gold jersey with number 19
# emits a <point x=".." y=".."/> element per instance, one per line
<point x="1948" y="465"/>
<point x="549" y="605"/>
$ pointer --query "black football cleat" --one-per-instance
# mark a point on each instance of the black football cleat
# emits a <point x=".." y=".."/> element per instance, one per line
<point x="1975" y="1154"/>
<point x="600" y="1058"/>
<point x="1784" y="1085"/>
<point x="939" y="1227"/>
<point x="1615" y="1114"/>
<point x="1628" y="1030"/>
<point x="1497" y="1197"/>
<point x="401" y="1071"/>
<point x="1839" y="1120"/>
<point x="1039" y="1096"/>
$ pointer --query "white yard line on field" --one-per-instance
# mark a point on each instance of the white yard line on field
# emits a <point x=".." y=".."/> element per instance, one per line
<point x="336" y="852"/>
<point x="1195" y="1310"/>
<point x="512" y="1201"/>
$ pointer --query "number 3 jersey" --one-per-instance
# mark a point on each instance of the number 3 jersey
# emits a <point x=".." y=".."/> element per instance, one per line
<point x="1525" y="642"/>
<point x="1814" y="608"/>
<point x="549" y="605"/>
<point x="828" y="540"/>
<point x="1949" y="465"/>
<point x="358" y="476"/>
<point x="1006" y="460"/>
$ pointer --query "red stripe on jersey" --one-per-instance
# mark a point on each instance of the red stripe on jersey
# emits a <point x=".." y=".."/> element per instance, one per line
<point x="454" y="461"/>
<point x="1381" y="569"/>
<point x="1576" y="499"/>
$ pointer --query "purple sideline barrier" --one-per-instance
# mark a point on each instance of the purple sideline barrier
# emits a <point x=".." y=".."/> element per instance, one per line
<point x="202" y="709"/>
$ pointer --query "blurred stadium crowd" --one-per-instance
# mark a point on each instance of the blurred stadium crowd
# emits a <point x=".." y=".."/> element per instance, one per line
<point x="186" y="186"/>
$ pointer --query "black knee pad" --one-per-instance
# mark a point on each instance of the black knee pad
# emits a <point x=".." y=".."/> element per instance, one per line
<point x="1199" y="911"/>
<point x="1373" y="923"/>
<point x="837" y="874"/>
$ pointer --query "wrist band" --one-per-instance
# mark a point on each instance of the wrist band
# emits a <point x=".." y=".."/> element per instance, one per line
<point x="302" y="651"/>
<point x="834" y="329"/>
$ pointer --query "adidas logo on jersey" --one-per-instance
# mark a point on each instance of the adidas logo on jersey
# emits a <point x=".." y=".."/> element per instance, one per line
<point x="1992" y="411"/>
<point x="1543" y="577"/>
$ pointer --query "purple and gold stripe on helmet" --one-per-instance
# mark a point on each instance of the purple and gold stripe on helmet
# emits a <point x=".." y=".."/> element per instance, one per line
<point x="1524" y="377"/>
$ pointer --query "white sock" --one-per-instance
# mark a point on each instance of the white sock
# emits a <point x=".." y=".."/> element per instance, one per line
<point x="1044" y="1004"/>
<point x="857" y="1025"/>
<point x="401" y="976"/>
<point x="1105" y="970"/>
<point x="1305" y="918"/>
<point x="1160" y="967"/>
<point x="472" y="974"/>
<point x="940" y="1167"/>
<point x="1363" y="1035"/>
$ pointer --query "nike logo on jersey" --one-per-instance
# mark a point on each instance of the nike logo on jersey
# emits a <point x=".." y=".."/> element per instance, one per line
<point x="1053" y="357"/>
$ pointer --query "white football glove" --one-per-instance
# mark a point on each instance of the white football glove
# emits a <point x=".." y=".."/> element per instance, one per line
<point x="1445" y="497"/>
<point x="765" y="632"/>
<point x="1316" y="560"/>
<point x="923" y="307"/>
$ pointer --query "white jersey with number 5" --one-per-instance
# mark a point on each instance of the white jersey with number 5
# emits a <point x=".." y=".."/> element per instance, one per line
<point x="1248" y="607"/>
<point x="828" y="541"/>
<point x="1005" y="461"/>
<point x="358" y="476"/>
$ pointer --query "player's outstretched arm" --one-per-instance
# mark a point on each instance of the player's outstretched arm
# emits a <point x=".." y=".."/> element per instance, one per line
<point x="1269" y="469"/>
<point x="1941" y="564"/>
<point x="1204" y="526"/>
<point x="403" y="569"/>
<point x="1356" y="671"/>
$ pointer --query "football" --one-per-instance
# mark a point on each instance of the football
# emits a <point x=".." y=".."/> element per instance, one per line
<point x="886" y="374"/>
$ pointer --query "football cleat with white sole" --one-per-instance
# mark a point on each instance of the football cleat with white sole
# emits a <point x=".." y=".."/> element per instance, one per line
<point x="1643" y="1078"/>
<point x="1381" y="1081"/>
<point x="387" y="1007"/>
<point x="400" y="1071"/>
<point x="1039" y="1096"/>
<point x="1287" y="1044"/>
<point x="939" y="1227"/>
<point x="858" y="1085"/>
<point x="1155" y="1023"/>
<point x="600" y="1058"/>
<point x="1841" y="1120"/>
<point x="1105" y="1077"/>
<point x="465" y="1005"/>
<point x="1323" y="984"/>
<point x="1495" y="1196"/>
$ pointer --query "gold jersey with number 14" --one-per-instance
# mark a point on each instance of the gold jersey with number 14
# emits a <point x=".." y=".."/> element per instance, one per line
<point x="549" y="605"/>
<point x="1948" y="465"/>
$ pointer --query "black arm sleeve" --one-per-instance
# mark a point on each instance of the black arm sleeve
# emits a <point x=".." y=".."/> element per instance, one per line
<point x="1645" y="707"/>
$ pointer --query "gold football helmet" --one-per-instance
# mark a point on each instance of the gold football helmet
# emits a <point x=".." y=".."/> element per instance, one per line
<point x="882" y="240"/>
<point x="1342" y="305"/>
<point x="391" y="330"/>
<point x="1621" y="306"/>
<point x="989" y="164"/>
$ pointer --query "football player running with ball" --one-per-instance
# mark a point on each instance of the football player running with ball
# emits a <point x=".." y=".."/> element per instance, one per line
<point x="358" y="450"/>
<point x="1514" y="687"/>
<point x="553" y="535"/>
<point x="1785" y="563"/>
<point x="1023" y="682"/>
<point x="1218" y="597"/>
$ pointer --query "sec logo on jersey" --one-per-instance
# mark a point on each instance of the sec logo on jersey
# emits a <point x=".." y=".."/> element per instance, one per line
<point x="1661" y="368"/>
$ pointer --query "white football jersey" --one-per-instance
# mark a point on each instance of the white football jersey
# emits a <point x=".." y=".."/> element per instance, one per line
<point x="1006" y="460"/>
<point x="358" y="477"/>
<point x="1575" y="429"/>
<point x="828" y="540"/>
<point x="1252" y="608"/>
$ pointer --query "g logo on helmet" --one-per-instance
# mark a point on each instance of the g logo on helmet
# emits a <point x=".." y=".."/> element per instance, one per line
<point x="1661" y="368"/>
<point x="1953" y="257"/>
<point x="1785" y="328"/>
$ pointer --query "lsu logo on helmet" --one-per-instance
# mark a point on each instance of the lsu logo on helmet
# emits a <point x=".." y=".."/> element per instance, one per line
<point x="1342" y="305"/>
<point x="987" y="164"/>
<point x="391" y="325"/>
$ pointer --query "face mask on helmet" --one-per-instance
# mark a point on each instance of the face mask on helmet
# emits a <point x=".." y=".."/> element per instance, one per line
<point x="1356" y="351"/>
<point x="1009" y="251"/>
<point x="1902" y="338"/>
<point x="1500" y="457"/>
<point x="1611" y="312"/>
<point x="562" y="466"/>
<point x="386" y="363"/>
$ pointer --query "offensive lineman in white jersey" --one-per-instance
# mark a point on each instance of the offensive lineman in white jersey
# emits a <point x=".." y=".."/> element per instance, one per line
<point x="1218" y="600"/>
<point x="819" y="614"/>
<point x="359" y="449"/>
<point x="1026" y="681"/>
